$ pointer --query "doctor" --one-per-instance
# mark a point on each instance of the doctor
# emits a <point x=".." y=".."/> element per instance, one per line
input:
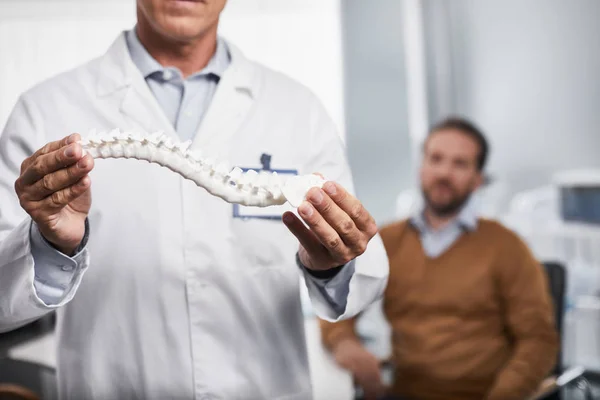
<point x="162" y="290"/>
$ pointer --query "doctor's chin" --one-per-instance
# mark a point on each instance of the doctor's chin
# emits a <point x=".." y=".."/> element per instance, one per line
<point x="299" y="200"/>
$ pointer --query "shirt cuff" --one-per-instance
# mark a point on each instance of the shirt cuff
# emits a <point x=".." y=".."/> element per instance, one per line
<point x="54" y="270"/>
<point x="334" y="289"/>
<point x="324" y="274"/>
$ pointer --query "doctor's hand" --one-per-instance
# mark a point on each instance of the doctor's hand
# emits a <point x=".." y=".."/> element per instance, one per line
<point x="54" y="189"/>
<point x="339" y="227"/>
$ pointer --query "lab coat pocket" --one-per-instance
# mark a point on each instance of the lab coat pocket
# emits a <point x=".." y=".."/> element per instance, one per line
<point x="263" y="243"/>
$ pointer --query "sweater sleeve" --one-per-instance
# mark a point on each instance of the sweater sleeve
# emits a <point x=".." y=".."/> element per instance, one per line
<point x="333" y="333"/>
<point x="529" y="318"/>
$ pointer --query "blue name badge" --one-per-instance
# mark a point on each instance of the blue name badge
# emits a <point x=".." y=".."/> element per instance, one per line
<point x="271" y="212"/>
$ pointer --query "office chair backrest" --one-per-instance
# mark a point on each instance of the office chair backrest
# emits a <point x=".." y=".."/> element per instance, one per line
<point x="557" y="280"/>
<point x="8" y="391"/>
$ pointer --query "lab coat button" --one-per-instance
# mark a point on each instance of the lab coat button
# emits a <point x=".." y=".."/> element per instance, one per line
<point x="167" y="74"/>
<point x="67" y="268"/>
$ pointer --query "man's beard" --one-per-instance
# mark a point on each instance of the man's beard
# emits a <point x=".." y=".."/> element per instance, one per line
<point x="452" y="206"/>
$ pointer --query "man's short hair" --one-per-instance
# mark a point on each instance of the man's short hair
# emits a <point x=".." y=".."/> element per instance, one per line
<point x="469" y="129"/>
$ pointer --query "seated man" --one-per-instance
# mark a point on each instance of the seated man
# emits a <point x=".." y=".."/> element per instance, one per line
<point x="469" y="306"/>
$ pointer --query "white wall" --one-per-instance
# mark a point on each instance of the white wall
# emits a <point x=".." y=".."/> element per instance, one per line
<point x="527" y="72"/>
<point x="376" y="108"/>
<point x="299" y="38"/>
<point x="40" y="38"/>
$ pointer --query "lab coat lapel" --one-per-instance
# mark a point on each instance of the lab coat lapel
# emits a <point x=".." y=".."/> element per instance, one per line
<point x="140" y="105"/>
<point x="230" y="105"/>
<point x="120" y="80"/>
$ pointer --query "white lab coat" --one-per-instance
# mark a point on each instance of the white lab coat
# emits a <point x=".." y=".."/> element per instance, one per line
<point x="175" y="298"/>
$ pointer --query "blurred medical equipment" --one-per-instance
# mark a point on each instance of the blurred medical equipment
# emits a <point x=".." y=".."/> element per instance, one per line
<point x="580" y="196"/>
<point x="561" y="222"/>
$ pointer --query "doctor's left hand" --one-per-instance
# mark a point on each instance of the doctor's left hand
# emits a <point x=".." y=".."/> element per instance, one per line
<point x="340" y="227"/>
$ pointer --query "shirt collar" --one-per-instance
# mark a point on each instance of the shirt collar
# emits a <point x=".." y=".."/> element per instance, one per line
<point x="149" y="66"/>
<point x="466" y="218"/>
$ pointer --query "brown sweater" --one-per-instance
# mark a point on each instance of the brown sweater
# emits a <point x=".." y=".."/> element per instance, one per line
<point x="477" y="322"/>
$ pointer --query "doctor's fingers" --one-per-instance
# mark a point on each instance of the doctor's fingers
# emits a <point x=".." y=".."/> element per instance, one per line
<point x="352" y="207"/>
<point x="307" y="239"/>
<point x="338" y="219"/>
<point x="57" y="200"/>
<point x="326" y="234"/>
<point x="58" y="180"/>
<point x="47" y="163"/>
<point x="49" y="148"/>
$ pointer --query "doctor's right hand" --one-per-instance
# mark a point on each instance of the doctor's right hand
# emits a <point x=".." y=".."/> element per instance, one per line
<point x="54" y="189"/>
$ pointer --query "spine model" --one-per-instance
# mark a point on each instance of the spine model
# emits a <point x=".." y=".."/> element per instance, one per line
<point x="249" y="188"/>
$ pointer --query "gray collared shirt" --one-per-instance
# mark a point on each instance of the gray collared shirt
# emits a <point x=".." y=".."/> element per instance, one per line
<point x="184" y="101"/>
<point x="435" y="242"/>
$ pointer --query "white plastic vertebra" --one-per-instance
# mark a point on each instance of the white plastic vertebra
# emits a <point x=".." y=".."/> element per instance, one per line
<point x="249" y="188"/>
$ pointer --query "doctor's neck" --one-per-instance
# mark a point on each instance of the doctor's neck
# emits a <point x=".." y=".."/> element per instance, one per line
<point x="189" y="56"/>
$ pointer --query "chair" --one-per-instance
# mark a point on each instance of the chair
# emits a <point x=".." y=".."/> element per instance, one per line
<point x="26" y="380"/>
<point x="9" y="391"/>
<point x="26" y="333"/>
<point x="552" y="387"/>
<point x="21" y="379"/>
